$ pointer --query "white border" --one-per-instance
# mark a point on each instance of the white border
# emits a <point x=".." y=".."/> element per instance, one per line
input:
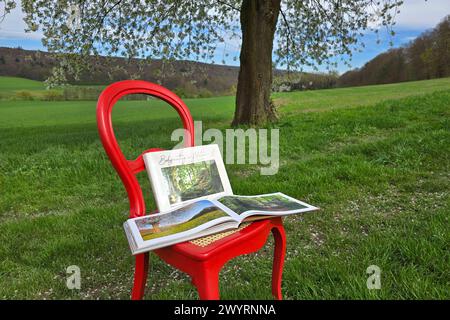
<point x="155" y="161"/>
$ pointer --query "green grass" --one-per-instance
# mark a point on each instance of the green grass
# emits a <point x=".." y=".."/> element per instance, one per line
<point x="16" y="84"/>
<point x="15" y="88"/>
<point x="331" y="99"/>
<point x="375" y="159"/>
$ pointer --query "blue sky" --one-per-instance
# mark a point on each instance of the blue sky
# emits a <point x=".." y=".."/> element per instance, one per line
<point x="415" y="17"/>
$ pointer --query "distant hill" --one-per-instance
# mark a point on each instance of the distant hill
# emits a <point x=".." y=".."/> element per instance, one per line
<point x="184" y="75"/>
<point x="426" y="57"/>
<point x="186" y="78"/>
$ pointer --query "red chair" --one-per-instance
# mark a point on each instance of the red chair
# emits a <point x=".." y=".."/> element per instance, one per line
<point x="201" y="261"/>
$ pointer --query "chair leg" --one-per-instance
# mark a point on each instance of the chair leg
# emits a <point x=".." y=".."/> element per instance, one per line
<point x="140" y="276"/>
<point x="207" y="284"/>
<point x="278" y="261"/>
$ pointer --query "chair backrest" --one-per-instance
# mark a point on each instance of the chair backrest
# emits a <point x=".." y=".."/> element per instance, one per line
<point x="128" y="169"/>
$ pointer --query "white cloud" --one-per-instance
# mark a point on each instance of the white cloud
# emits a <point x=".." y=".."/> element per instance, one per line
<point x="13" y="26"/>
<point x="408" y="39"/>
<point x="421" y="14"/>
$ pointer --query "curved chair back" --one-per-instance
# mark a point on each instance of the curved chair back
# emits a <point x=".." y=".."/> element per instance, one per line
<point x="128" y="169"/>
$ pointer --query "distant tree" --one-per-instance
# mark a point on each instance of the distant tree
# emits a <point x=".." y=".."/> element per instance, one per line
<point x="416" y="65"/>
<point x="436" y="57"/>
<point x="296" y="81"/>
<point x="305" y="33"/>
<point x="426" y="57"/>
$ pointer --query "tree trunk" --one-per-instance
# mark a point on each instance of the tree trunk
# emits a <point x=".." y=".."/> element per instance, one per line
<point x="258" y="23"/>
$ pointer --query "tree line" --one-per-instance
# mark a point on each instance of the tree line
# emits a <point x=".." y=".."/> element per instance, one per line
<point x="426" y="57"/>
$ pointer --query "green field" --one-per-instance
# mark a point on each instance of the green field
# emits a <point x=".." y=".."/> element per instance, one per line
<point x="14" y="88"/>
<point x="17" y="84"/>
<point x="375" y="159"/>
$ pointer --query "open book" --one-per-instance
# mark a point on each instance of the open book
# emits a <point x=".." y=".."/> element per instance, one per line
<point x="194" y="197"/>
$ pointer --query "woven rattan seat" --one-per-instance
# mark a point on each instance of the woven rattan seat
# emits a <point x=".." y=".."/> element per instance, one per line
<point x="206" y="241"/>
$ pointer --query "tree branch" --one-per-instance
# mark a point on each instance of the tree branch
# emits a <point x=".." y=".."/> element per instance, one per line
<point x="289" y="34"/>
<point x="228" y="5"/>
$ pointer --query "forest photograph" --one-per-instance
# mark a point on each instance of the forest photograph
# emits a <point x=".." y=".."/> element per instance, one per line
<point x="189" y="181"/>
<point x="276" y="202"/>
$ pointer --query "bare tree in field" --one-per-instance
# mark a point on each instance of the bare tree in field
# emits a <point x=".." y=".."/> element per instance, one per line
<point x="294" y="33"/>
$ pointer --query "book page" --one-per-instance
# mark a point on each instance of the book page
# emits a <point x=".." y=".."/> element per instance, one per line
<point x="205" y="217"/>
<point x="157" y="230"/>
<point x="183" y="176"/>
<point x="273" y="204"/>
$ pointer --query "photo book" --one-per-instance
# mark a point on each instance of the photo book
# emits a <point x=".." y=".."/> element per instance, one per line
<point x="194" y="199"/>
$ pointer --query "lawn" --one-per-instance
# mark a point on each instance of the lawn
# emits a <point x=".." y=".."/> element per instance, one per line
<point x="16" y="84"/>
<point x="375" y="159"/>
<point x="15" y="88"/>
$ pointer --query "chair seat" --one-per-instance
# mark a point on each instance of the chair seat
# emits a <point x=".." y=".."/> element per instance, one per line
<point x="243" y="235"/>
<point x="208" y="240"/>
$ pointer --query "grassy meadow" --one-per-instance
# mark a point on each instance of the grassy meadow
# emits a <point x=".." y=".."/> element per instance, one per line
<point x="13" y="84"/>
<point x="375" y="159"/>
